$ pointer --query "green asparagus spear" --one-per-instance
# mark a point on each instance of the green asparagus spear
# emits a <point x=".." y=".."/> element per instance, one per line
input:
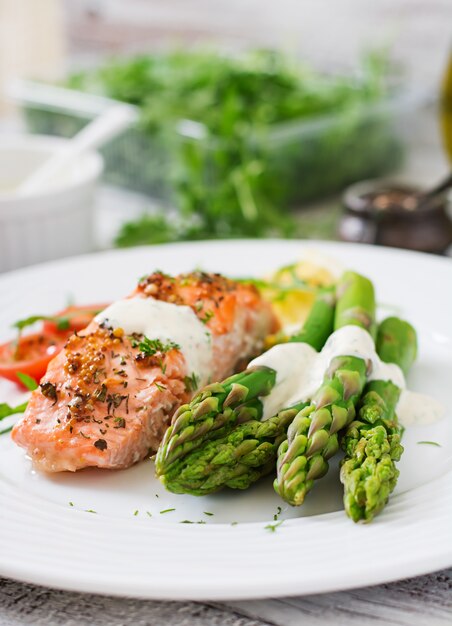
<point x="372" y="442"/>
<point x="397" y="343"/>
<point x="312" y="438"/>
<point x="320" y="321"/>
<point x="355" y="303"/>
<point x="236" y="460"/>
<point x="219" y="407"/>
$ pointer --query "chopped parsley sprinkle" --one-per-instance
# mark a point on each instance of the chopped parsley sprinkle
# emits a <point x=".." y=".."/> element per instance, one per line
<point x="234" y="523"/>
<point x="272" y="527"/>
<point x="148" y="514"/>
<point x="71" y="504"/>
<point x="207" y="316"/>
<point x="208" y="513"/>
<point x="120" y="422"/>
<point x="278" y="513"/>
<point x="166" y="511"/>
<point x="149" y="347"/>
<point x="430" y="443"/>
<point x="101" y="393"/>
<point x="159" y="386"/>
<point x="191" y="382"/>
<point x="90" y="511"/>
<point x="136" y="512"/>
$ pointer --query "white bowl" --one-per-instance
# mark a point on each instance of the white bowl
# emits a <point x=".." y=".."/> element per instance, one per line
<point x="51" y="224"/>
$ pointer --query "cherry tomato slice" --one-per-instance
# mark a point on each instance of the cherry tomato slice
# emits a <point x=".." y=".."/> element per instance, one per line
<point x="73" y="318"/>
<point x="30" y="355"/>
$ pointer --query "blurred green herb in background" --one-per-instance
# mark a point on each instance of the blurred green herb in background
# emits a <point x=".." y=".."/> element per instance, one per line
<point x="247" y="153"/>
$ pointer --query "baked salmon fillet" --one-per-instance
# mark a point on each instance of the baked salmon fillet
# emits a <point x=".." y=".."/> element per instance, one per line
<point x="108" y="397"/>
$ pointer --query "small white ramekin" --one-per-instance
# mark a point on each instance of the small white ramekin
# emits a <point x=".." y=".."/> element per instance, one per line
<point x="51" y="224"/>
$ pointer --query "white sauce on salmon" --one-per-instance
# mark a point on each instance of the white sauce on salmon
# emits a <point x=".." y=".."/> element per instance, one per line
<point x="300" y="371"/>
<point x="157" y="319"/>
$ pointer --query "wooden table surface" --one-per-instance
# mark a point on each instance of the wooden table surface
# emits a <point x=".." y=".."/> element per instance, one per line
<point x="422" y="601"/>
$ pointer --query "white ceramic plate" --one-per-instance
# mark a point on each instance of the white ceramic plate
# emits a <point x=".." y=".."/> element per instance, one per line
<point x="45" y="539"/>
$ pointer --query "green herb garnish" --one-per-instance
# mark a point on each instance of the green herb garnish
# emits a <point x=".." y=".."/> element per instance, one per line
<point x="278" y="513"/>
<point x="272" y="527"/>
<point x="430" y="443"/>
<point x="27" y="381"/>
<point x="207" y="316"/>
<point x="149" y="347"/>
<point x="166" y="511"/>
<point x="29" y="321"/>
<point x="62" y="322"/>
<point x="6" y="409"/>
<point x="191" y="382"/>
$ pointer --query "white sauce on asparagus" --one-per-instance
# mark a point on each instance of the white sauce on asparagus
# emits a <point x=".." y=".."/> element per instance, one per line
<point x="157" y="319"/>
<point x="300" y="371"/>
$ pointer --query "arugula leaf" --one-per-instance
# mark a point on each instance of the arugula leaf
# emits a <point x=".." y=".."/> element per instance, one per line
<point x="27" y="381"/>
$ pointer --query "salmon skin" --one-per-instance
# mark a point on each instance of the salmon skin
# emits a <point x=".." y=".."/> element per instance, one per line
<point x="108" y="397"/>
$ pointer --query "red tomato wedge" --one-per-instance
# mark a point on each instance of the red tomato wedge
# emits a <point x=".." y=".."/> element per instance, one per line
<point x="30" y="355"/>
<point x="73" y="318"/>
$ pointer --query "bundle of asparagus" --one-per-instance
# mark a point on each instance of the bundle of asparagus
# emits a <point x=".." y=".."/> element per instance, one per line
<point x="224" y="418"/>
<point x="219" y="439"/>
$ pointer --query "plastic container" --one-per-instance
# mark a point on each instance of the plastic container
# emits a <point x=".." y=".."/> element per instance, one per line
<point x="303" y="160"/>
<point x="54" y="223"/>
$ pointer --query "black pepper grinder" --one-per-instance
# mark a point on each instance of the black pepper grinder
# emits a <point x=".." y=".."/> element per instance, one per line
<point x="391" y="214"/>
